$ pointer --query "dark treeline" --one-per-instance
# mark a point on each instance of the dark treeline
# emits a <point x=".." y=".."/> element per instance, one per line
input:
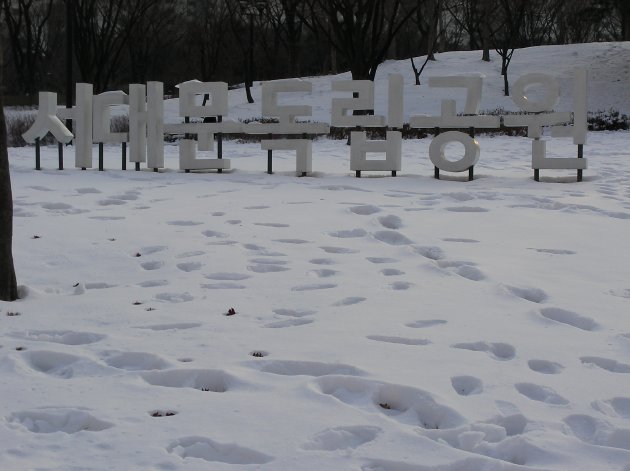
<point x="117" y="42"/>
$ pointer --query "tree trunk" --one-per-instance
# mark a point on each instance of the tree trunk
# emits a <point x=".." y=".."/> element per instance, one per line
<point x="8" y="283"/>
<point x="624" y="8"/>
<point x="504" y="71"/>
<point x="485" y="30"/>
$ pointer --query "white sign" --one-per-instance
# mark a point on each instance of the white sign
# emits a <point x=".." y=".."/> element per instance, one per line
<point x="92" y="117"/>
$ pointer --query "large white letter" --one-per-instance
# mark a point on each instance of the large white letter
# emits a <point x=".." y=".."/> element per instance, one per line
<point x="364" y="89"/>
<point x="47" y="121"/>
<point x="155" y="125"/>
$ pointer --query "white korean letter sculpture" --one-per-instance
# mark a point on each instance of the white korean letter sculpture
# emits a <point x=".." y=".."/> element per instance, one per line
<point x="217" y="107"/>
<point x="286" y="125"/>
<point x="102" y="123"/>
<point x="47" y="121"/>
<point x="449" y="119"/>
<point x="543" y="115"/>
<point x="137" y="124"/>
<point x="363" y="99"/>
<point x="81" y="114"/>
<point x="146" y="125"/>
<point x="155" y="125"/>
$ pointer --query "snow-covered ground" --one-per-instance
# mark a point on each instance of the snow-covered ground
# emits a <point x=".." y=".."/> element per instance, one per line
<point x="380" y="323"/>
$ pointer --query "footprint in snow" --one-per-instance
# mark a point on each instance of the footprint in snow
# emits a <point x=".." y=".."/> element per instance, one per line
<point x="62" y="208"/>
<point x="365" y="209"/>
<point x="339" y="250"/>
<point x="322" y="261"/>
<point x="540" y="393"/>
<point x="227" y="276"/>
<point x="348" y="234"/>
<point x="174" y="297"/>
<point x="380" y="260"/>
<point x="467" y="209"/>
<point x="467" y="385"/>
<point x="499" y="350"/>
<point x="291" y="241"/>
<point x="555" y="251"/>
<point x="63" y="365"/>
<point x="466" y="270"/>
<point x="545" y="367"/>
<point x="206" y="380"/>
<point x="135" y="361"/>
<point x="398" y="340"/>
<point x="401" y="285"/>
<point x="87" y="191"/>
<point x="153" y="283"/>
<point x="153" y="249"/>
<point x="64" y="337"/>
<point x="461" y="240"/>
<point x="404" y="404"/>
<point x="314" y="287"/>
<point x="152" y="265"/>
<point x="390" y="222"/>
<point x="184" y="223"/>
<point x="607" y="364"/>
<point x="342" y="438"/>
<point x="349" y="301"/>
<point x="324" y="273"/>
<point x="534" y="295"/>
<point x="224" y="285"/>
<point x="598" y="432"/>
<point x="268" y="267"/>
<point x="391" y="238"/>
<point x="293" y="312"/>
<point x="53" y="419"/>
<point x="621" y="293"/>
<point x="430" y="252"/>
<point x="306" y="368"/>
<point x="174" y="326"/>
<point x="288" y="323"/>
<point x="421" y="324"/>
<point x="212" y="451"/>
<point x="570" y="318"/>
<point x="189" y="266"/>
<point x="271" y="224"/>
<point x="615" y="407"/>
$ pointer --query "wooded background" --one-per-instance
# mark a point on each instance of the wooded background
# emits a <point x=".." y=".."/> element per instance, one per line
<point x="117" y="42"/>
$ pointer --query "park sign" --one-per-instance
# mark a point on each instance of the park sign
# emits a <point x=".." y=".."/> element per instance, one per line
<point x="92" y="123"/>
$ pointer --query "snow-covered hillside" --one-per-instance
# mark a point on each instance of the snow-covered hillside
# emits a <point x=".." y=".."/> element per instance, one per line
<point x="390" y="324"/>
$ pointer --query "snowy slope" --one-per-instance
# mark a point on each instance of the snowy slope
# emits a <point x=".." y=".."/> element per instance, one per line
<point x="381" y="323"/>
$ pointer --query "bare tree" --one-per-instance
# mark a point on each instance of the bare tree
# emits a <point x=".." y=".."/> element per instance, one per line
<point x="361" y="31"/>
<point x="206" y="38"/>
<point x="153" y="40"/>
<point x="285" y="18"/>
<point x="101" y="30"/>
<point x="624" y="11"/>
<point x="507" y="35"/>
<point x="433" y="13"/>
<point x="245" y="19"/>
<point x="8" y="283"/>
<point x="27" y="27"/>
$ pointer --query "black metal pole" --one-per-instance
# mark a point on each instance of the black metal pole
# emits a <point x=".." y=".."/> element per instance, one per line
<point x="37" y="155"/>
<point x="251" y="49"/>
<point x="220" y="143"/>
<point x="580" y="156"/>
<point x="124" y="156"/>
<point x="69" y="53"/>
<point x="60" y="147"/>
<point x="269" y="158"/>
<point x="100" y="156"/>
